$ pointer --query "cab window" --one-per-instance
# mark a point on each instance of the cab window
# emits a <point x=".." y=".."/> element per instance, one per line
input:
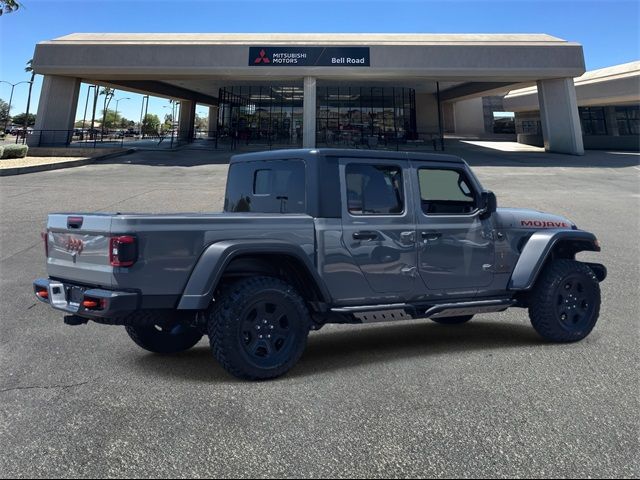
<point x="374" y="189"/>
<point x="445" y="192"/>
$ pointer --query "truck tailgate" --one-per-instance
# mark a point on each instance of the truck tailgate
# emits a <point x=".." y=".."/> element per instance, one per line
<point x="78" y="248"/>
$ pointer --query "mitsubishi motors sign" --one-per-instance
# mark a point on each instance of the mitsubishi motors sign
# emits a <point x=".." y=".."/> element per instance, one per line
<point x="309" y="56"/>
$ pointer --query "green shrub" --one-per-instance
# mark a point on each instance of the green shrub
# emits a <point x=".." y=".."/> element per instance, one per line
<point x="14" y="151"/>
<point x="1" y="150"/>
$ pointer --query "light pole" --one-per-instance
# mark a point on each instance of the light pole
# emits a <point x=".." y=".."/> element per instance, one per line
<point x="202" y="117"/>
<point x="145" y="99"/>
<point x="86" y="104"/>
<point x="13" y="85"/>
<point x="124" y="98"/>
<point x="116" y="118"/>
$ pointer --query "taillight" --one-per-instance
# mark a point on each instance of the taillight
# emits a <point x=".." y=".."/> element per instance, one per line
<point x="45" y="239"/>
<point x="42" y="292"/>
<point x="123" y="251"/>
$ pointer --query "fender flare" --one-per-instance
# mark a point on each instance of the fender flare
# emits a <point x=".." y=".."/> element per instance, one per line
<point x="206" y="274"/>
<point x="538" y="249"/>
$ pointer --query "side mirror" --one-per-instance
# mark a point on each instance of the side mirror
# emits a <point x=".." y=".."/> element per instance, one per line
<point x="488" y="203"/>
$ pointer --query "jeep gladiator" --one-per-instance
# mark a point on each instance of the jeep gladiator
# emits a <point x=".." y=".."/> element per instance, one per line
<point x="310" y="237"/>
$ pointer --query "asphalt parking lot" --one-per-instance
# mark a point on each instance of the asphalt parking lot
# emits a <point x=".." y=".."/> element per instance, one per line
<point x="487" y="399"/>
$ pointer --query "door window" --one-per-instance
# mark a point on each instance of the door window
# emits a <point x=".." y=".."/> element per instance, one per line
<point x="445" y="192"/>
<point x="374" y="189"/>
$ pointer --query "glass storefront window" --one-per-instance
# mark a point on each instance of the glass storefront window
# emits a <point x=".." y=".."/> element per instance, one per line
<point x="261" y="114"/>
<point x="364" y="116"/>
<point x="628" y="119"/>
<point x="345" y="115"/>
<point x="592" y="120"/>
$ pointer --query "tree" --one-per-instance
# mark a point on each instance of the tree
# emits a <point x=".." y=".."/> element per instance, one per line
<point x="110" y="119"/>
<point x="4" y="112"/>
<point x="8" y="6"/>
<point x="21" y="119"/>
<point x="168" y="122"/>
<point x="150" y="124"/>
<point x="202" y="123"/>
<point x="29" y="69"/>
<point x="108" y="95"/>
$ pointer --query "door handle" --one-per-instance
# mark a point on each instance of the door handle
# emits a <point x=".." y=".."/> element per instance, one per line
<point x="408" y="237"/>
<point x="431" y="236"/>
<point x="365" y="235"/>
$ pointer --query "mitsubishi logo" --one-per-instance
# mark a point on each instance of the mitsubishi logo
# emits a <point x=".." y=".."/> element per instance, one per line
<point x="262" y="58"/>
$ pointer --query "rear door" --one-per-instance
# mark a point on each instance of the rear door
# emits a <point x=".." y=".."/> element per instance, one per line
<point x="456" y="249"/>
<point x="378" y="225"/>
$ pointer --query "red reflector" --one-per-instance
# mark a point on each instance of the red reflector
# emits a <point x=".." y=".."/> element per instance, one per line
<point x="42" y="293"/>
<point x="94" y="303"/>
<point x="45" y="239"/>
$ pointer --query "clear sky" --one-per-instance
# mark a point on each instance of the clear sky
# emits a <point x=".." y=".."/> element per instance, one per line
<point x="608" y="29"/>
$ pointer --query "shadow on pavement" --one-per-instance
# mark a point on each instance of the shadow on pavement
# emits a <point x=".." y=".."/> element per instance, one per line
<point x="176" y="158"/>
<point x="482" y="156"/>
<point x="355" y="346"/>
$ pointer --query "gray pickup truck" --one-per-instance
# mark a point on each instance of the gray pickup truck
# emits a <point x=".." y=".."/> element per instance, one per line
<point x="310" y="237"/>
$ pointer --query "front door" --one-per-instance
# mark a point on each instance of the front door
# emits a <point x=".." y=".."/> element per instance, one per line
<point x="455" y="249"/>
<point x="378" y="224"/>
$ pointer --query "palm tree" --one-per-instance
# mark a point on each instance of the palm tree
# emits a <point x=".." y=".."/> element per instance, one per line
<point x="8" y="6"/>
<point x="108" y="95"/>
<point x="29" y="69"/>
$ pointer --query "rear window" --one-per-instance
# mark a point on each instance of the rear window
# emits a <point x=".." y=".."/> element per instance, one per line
<point x="275" y="186"/>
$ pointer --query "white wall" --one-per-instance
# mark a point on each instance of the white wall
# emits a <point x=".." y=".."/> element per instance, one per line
<point x="426" y="113"/>
<point x="469" y="117"/>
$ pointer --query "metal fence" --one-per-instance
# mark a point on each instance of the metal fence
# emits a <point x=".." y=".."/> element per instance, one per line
<point x="418" y="142"/>
<point x="96" y="139"/>
<point x="224" y="141"/>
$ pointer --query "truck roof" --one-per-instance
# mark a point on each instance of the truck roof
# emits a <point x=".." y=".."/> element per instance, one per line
<point x="285" y="154"/>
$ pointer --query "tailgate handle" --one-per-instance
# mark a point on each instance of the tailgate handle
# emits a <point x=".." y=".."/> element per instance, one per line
<point x="74" y="222"/>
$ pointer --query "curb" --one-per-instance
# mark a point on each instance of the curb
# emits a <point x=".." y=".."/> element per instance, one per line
<point x="5" y="172"/>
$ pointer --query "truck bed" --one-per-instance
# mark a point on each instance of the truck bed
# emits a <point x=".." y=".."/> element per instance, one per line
<point x="169" y="245"/>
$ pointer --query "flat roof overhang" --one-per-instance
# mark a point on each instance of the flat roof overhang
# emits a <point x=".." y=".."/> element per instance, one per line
<point x="200" y="63"/>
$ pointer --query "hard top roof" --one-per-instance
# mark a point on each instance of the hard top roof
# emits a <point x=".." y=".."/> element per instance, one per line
<point x="290" y="154"/>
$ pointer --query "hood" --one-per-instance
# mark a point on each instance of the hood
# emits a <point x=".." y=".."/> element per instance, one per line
<point x="531" y="219"/>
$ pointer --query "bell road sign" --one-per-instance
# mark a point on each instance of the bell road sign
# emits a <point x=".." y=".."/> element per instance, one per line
<point x="309" y="56"/>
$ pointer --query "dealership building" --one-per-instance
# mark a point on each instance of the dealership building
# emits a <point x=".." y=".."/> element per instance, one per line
<point x="318" y="89"/>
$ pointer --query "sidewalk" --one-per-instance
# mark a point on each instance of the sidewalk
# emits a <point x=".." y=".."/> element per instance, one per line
<point x="19" y="166"/>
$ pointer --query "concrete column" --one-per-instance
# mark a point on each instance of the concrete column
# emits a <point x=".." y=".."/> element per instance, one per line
<point x="309" y="113"/>
<point x="56" y="111"/>
<point x="187" y="120"/>
<point x="213" y="121"/>
<point x="559" y="116"/>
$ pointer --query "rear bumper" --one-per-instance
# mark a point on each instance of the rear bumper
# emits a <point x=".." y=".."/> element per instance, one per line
<point x="68" y="298"/>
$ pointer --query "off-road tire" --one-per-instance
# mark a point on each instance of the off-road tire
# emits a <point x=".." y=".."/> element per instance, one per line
<point x="564" y="304"/>
<point x="452" y="320"/>
<point x="162" y="334"/>
<point x="236" y="341"/>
